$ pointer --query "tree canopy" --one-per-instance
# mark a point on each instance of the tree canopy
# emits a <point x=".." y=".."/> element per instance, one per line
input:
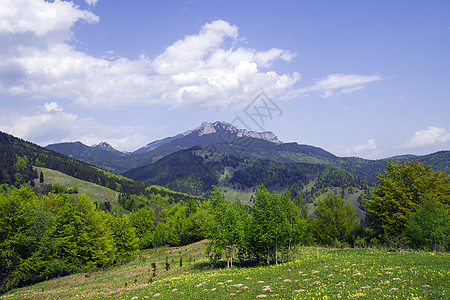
<point x="402" y="190"/>
<point x="333" y="220"/>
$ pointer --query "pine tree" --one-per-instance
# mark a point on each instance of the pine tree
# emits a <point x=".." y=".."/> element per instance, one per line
<point x="41" y="178"/>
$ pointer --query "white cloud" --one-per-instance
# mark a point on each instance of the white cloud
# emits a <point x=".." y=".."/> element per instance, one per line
<point x="91" y="2"/>
<point x="340" y="84"/>
<point x="52" y="106"/>
<point x="430" y="136"/>
<point x="369" y="146"/>
<point x="201" y="71"/>
<point x="40" y="19"/>
<point x="48" y="121"/>
<point x="50" y="124"/>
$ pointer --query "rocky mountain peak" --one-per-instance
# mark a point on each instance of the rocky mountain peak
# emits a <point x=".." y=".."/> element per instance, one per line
<point x="209" y="128"/>
<point x="103" y="145"/>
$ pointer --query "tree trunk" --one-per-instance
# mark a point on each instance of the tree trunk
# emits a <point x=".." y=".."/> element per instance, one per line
<point x="232" y="255"/>
<point x="226" y="255"/>
<point x="276" y="251"/>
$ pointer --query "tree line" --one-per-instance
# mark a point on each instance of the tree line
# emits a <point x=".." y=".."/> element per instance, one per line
<point x="44" y="236"/>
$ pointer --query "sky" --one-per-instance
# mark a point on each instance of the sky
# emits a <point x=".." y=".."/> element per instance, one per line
<point x="357" y="78"/>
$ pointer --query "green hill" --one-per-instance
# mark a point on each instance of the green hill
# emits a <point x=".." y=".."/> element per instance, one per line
<point x="18" y="159"/>
<point x="313" y="273"/>
<point x="97" y="193"/>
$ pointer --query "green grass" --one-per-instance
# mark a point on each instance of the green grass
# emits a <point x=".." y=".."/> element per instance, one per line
<point x="314" y="273"/>
<point x="96" y="192"/>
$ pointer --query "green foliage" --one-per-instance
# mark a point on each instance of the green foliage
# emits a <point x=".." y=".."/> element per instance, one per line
<point x="124" y="235"/>
<point x="402" y="190"/>
<point x="24" y="235"/>
<point x="73" y="190"/>
<point x="82" y="234"/>
<point x="225" y="228"/>
<point x="46" y="236"/>
<point x="143" y="220"/>
<point x="276" y="225"/>
<point x="183" y="171"/>
<point x="59" y="189"/>
<point x="429" y="227"/>
<point x="333" y="220"/>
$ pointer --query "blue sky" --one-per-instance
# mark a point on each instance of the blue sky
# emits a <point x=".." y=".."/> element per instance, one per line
<point x="357" y="78"/>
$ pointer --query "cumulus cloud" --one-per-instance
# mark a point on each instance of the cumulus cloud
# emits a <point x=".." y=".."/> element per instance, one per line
<point x="430" y="136"/>
<point x="207" y="70"/>
<point x="339" y="84"/>
<point x="39" y="19"/>
<point x="50" y="124"/>
<point x="48" y="121"/>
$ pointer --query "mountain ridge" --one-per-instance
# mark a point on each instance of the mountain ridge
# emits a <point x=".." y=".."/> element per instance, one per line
<point x="210" y="128"/>
<point x="226" y="138"/>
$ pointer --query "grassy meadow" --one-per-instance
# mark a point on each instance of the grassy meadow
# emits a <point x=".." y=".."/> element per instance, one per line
<point x="313" y="273"/>
<point x="96" y="192"/>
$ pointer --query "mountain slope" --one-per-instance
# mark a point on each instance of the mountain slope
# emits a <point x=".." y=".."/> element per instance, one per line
<point x="101" y="155"/>
<point x="18" y="157"/>
<point x="14" y="150"/>
<point x="207" y="135"/>
<point x="227" y="139"/>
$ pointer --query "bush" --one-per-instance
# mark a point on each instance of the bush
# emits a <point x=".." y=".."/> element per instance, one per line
<point x="429" y="228"/>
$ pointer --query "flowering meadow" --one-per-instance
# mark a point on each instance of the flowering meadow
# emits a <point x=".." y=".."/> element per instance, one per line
<point x="313" y="273"/>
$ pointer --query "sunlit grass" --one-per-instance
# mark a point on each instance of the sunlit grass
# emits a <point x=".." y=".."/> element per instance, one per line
<point x="315" y="273"/>
<point x="96" y="192"/>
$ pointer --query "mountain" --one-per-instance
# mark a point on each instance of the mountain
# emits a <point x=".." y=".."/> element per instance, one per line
<point x="155" y="144"/>
<point x="207" y="128"/>
<point x="18" y="159"/>
<point x="102" y="155"/>
<point x="224" y="138"/>
<point x="220" y="127"/>
<point x="220" y="134"/>
<point x="107" y="147"/>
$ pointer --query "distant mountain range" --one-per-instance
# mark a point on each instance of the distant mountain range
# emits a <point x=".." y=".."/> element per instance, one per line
<point x="235" y="160"/>
<point x="226" y="139"/>
<point x="105" y="156"/>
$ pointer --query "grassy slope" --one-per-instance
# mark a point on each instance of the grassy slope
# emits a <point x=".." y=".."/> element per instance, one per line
<point x="96" y="192"/>
<point x="315" y="273"/>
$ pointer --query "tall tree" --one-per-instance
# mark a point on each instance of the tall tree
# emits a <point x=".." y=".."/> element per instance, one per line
<point x="261" y="233"/>
<point x="24" y="233"/>
<point x="225" y="228"/>
<point x="402" y="190"/>
<point x="333" y="219"/>
<point x="143" y="220"/>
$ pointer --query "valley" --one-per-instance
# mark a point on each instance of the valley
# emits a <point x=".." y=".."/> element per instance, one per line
<point x="171" y="227"/>
<point x="237" y="162"/>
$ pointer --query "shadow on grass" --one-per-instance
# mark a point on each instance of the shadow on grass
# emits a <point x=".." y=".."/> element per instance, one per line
<point x="222" y="264"/>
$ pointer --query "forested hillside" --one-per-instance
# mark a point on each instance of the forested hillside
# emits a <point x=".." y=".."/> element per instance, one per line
<point x="17" y="158"/>
<point x="48" y="231"/>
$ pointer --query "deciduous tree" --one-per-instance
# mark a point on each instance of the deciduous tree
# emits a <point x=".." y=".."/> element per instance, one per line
<point x="333" y="219"/>
<point x="402" y="190"/>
